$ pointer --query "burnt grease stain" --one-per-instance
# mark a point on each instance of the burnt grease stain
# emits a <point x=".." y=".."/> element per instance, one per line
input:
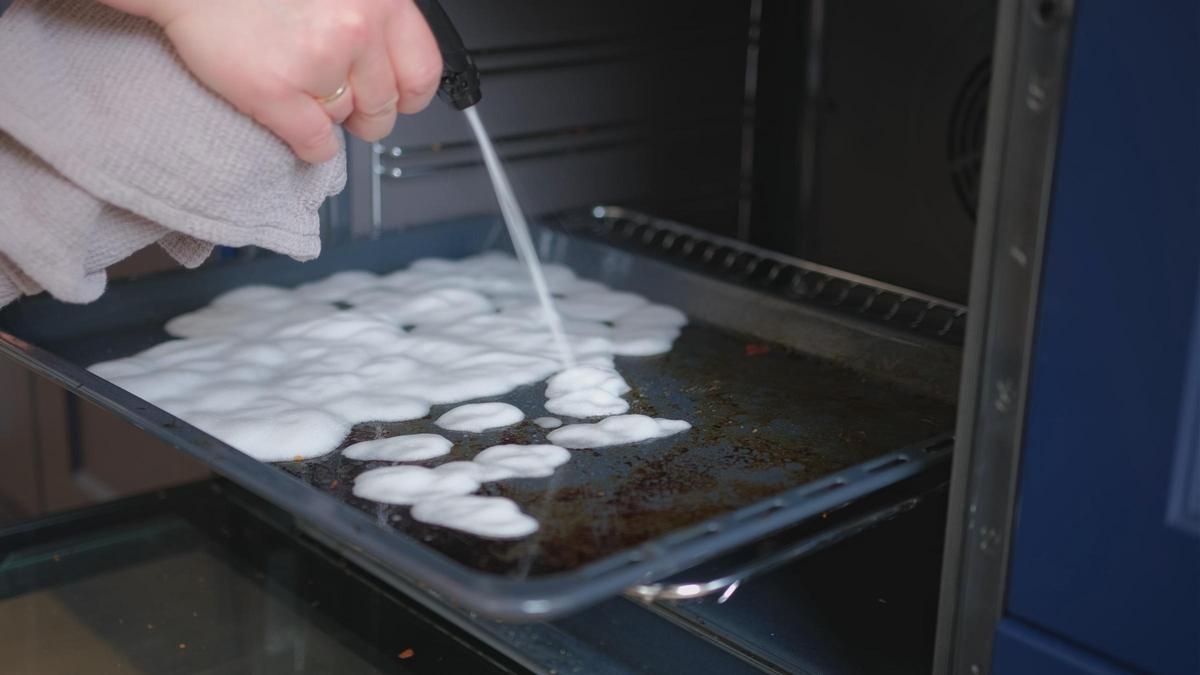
<point x="762" y="424"/>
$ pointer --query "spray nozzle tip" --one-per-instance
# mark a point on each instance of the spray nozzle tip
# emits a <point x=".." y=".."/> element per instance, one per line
<point x="460" y="88"/>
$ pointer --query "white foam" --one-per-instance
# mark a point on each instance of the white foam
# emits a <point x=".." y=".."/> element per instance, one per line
<point x="480" y="473"/>
<point x="642" y="341"/>
<point x="548" y="422"/>
<point x="409" y="448"/>
<point x="587" y="403"/>
<point x="437" y="306"/>
<point x="411" y="484"/>
<point x="619" y="430"/>
<point x="524" y="461"/>
<point x="337" y="287"/>
<point x="273" y="430"/>
<point x="478" y="417"/>
<point x="492" y="517"/>
<point x="377" y="407"/>
<point x="284" y="374"/>
<point x="586" y="377"/>
<point x="602" y="305"/>
<point x="238" y="319"/>
<point x="587" y="391"/>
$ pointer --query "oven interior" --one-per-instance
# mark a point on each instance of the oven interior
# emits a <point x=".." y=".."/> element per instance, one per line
<point x="801" y="178"/>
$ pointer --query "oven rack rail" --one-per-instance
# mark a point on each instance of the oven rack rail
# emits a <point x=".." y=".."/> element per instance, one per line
<point x="779" y="274"/>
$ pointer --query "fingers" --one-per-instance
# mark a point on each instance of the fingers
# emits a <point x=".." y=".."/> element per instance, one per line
<point x="302" y="123"/>
<point x="392" y="65"/>
<point x="415" y="58"/>
<point x="397" y="71"/>
<point x="375" y="96"/>
<point x="341" y="107"/>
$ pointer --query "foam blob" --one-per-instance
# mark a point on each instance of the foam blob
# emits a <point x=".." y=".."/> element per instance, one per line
<point x="410" y="448"/>
<point x="478" y="417"/>
<point x="245" y="320"/>
<point x="480" y="473"/>
<point x="375" y="407"/>
<point x="548" y="422"/>
<point x="600" y="305"/>
<point x="274" y="430"/>
<point x="586" y="377"/>
<point x="336" y="287"/>
<point x="642" y="341"/>
<point x="587" y="403"/>
<point x="437" y="306"/>
<point x="619" y="430"/>
<point x="491" y="517"/>
<point x="255" y="295"/>
<point x="525" y="461"/>
<point x="587" y="391"/>
<point x="411" y="484"/>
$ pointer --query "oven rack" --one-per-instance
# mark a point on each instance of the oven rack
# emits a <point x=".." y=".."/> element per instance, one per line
<point x="793" y="278"/>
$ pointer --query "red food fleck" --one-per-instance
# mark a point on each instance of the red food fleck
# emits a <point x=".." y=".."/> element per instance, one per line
<point x="754" y="349"/>
<point x="407" y="653"/>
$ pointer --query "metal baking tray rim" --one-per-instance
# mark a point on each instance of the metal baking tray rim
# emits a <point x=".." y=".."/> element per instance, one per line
<point x="406" y="558"/>
<point x="506" y="598"/>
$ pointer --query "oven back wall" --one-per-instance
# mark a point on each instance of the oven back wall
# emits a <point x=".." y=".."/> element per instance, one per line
<point x="869" y="134"/>
<point x="629" y="102"/>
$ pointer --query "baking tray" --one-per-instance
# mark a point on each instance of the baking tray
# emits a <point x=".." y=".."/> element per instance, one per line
<point x="797" y="410"/>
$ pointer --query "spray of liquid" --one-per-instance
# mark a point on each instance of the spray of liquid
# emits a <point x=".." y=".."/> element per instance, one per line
<point x="518" y="229"/>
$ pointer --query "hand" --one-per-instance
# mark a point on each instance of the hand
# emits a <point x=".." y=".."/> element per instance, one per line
<point x="275" y="59"/>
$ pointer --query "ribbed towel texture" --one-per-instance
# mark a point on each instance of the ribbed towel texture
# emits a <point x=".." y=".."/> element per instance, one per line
<point x="109" y="144"/>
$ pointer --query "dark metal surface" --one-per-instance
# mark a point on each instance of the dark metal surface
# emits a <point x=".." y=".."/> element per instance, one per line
<point x="822" y="614"/>
<point x="584" y="66"/>
<point x="722" y="577"/>
<point x="265" y="598"/>
<point x="782" y="431"/>
<point x="1027" y="89"/>
<point x="859" y="161"/>
<point x="763" y="423"/>
<point x="188" y="581"/>
<point x="866" y="606"/>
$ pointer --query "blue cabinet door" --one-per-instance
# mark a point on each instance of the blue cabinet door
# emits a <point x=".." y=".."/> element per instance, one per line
<point x="1106" y="548"/>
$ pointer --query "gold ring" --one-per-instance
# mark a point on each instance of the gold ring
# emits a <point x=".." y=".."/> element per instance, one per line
<point x="324" y="100"/>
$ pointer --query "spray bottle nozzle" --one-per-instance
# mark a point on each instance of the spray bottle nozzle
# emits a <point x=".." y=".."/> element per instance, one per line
<point x="460" y="89"/>
<point x="460" y="77"/>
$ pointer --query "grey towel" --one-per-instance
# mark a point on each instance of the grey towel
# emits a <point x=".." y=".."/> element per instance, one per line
<point x="112" y="145"/>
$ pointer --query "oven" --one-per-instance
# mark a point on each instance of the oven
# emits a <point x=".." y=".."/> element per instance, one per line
<point x="850" y="201"/>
